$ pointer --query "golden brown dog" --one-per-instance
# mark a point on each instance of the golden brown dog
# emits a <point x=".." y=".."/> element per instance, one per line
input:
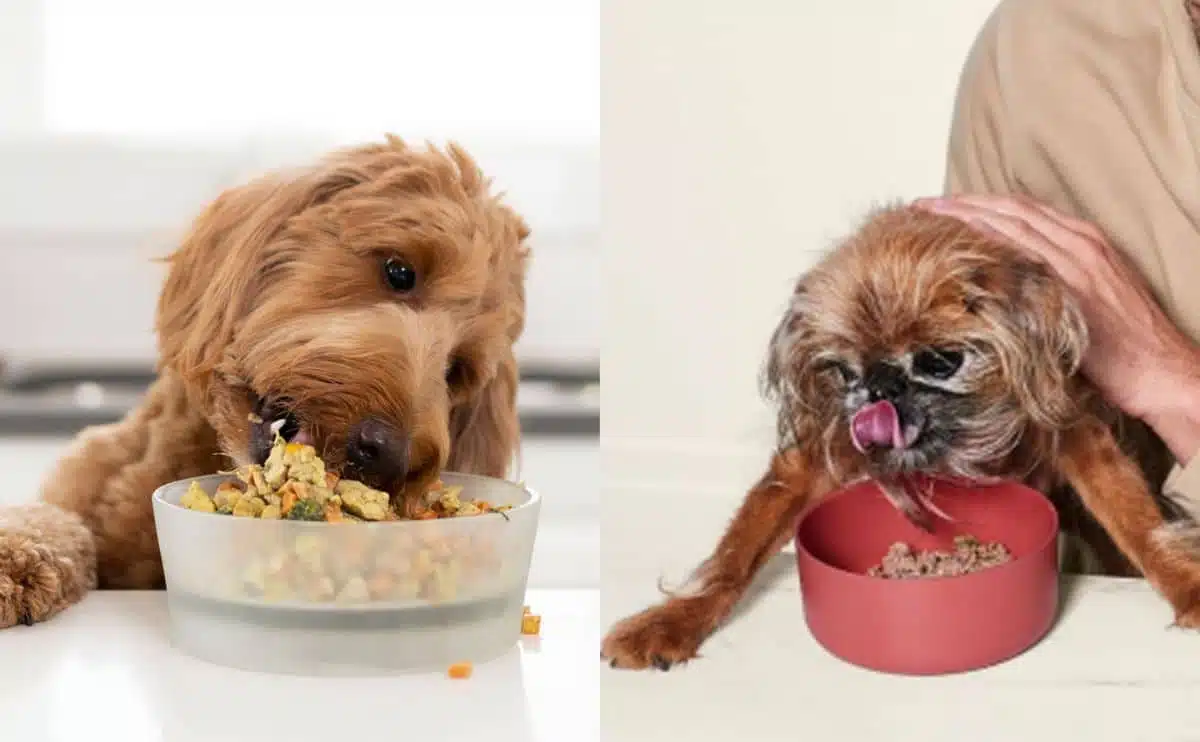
<point x="921" y="346"/>
<point x="368" y="304"/>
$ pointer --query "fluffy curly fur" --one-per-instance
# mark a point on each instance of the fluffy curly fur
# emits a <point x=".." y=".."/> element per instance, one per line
<point x="1011" y="404"/>
<point x="276" y="304"/>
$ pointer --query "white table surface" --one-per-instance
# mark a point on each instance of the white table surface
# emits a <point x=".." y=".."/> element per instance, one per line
<point x="1110" y="669"/>
<point x="105" y="670"/>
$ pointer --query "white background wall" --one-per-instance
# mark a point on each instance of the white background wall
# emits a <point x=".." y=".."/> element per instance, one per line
<point x="119" y="119"/>
<point x="740" y="140"/>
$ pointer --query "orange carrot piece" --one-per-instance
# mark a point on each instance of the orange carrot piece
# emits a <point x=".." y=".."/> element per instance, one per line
<point x="288" y="501"/>
<point x="333" y="514"/>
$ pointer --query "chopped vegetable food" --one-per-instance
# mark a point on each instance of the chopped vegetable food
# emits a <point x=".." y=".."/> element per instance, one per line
<point x="460" y="670"/>
<point x="345" y="565"/>
<point x="531" y="624"/>
<point x="293" y="484"/>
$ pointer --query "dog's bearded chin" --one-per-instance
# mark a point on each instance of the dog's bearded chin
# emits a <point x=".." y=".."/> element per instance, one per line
<point x="913" y="498"/>
<point x="878" y="426"/>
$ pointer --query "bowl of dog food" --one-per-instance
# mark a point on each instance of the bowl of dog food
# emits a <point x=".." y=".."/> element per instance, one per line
<point x="977" y="588"/>
<point x="287" y="568"/>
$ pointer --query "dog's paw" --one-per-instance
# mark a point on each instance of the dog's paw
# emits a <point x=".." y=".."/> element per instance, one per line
<point x="661" y="637"/>
<point x="1172" y="565"/>
<point x="46" y="564"/>
<point x="1187" y="619"/>
<point x="1187" y="608"/>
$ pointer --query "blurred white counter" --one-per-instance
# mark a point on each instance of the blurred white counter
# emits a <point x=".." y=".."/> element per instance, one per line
<point x="105" y="670"/>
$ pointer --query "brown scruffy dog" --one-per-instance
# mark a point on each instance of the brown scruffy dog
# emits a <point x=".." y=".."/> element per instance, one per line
<point x="922" y="346"/>
<point x="368" y="305"/>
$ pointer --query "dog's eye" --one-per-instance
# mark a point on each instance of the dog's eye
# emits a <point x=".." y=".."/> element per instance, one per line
<point x="938" y="363"/>
<point x="455" y="375"/>
<point x="843" y="371"/>
<point x="400" y="276"/>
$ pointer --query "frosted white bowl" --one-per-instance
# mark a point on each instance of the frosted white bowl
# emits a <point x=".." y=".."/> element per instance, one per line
<point x="218" y="612"/>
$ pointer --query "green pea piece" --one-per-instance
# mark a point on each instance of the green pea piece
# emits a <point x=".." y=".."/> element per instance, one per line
<point x="306" y="510"/>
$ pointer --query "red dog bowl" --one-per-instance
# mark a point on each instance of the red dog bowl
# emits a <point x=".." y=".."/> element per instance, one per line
<point x="936" y="625"/>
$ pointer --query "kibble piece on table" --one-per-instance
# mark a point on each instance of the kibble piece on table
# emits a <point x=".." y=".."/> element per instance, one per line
<point x="531" y="624"/>
<point x="460" y="670"/>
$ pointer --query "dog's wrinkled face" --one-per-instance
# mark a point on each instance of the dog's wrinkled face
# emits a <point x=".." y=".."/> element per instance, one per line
<point x="921" y="346"/>
<point x="907" y="407"/>
<point x="366" y="306"/>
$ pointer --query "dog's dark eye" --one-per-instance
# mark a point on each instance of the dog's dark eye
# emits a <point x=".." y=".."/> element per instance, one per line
<point x="843" y="371"/>
<point x="938" y="363"/>
<point x="455" y="373"/>
<point x="400" y="276"/>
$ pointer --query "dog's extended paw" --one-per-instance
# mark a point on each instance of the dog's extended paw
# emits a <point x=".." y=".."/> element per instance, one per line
<point x="1188" y="619"/>
<point x="1173" y="567"/>
<point x="47" y="562"/>
<point x="660" y="637"/>
<point x="1187" y="607"/>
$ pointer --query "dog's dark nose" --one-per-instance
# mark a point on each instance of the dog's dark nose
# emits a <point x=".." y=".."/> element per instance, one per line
<point x="378" y="451"/>
<point x="884" y="381"/>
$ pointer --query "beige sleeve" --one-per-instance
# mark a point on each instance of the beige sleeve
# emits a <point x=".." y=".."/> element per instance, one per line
<point x="996" y="120"/>
<point x="976" y="156"/>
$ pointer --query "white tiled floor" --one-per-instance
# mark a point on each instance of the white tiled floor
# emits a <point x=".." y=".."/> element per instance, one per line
<point x="565" y="471"/>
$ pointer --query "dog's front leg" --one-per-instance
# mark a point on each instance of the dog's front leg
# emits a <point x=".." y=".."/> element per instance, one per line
<point x="1113" y="489"/>
<point x="673" y="631"/>
<point x="95" y="524"/>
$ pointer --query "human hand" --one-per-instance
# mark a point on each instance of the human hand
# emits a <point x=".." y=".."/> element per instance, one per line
<point x="1136" y="357"/>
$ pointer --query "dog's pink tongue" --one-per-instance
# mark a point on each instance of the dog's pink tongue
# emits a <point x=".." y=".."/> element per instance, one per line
<point x="877" y="424"/>
<point x="304" y="438"/>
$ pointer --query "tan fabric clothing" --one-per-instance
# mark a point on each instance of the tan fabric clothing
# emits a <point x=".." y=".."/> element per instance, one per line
<point x="1092" y="107"/>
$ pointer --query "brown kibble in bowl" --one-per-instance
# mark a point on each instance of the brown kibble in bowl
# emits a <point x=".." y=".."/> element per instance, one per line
<point x="969" y="555"/>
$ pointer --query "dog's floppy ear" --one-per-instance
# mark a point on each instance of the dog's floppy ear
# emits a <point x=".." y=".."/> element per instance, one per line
<point x="790" y="375"/>
<point x="211" y="279"/>
<point x="485" y="428"/>
<point x="210" y="276"/>
<point x="485" y="431"/>
<point x="782" y="345"/>
<point x="1038" y="332"/>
